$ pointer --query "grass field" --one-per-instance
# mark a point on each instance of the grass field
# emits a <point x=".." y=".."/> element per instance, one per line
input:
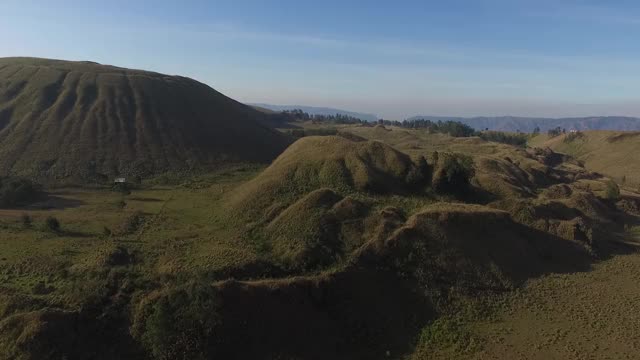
<point x="609" y="152"/>
<point x="180" y="234"/>
<point x="348" y="232"/>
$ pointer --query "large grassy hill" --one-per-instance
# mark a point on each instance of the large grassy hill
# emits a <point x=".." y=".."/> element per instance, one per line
<point x="82" y="120"/>
<point x="612" y="153"/>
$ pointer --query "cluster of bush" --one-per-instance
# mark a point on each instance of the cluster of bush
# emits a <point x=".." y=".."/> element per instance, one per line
<point x="517" y="139"/>
<point x="556" y="131"/>
<point x="17" y="191"/>
<point x="182" y="323"/>
<point x="300" y="133"/>
<point x="51" y="223"/>
<point x="453" y="128"/>
<point x="453" y="174"/>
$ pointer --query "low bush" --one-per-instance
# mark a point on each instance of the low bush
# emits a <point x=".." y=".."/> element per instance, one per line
<point x="52" y="224"/>
<point x="300" y="133"/>
<point x="15" y="191"/>
<point x="182" y="323"/>
<point x="453" y="174"/>
<point x="517" y="139"/>
<point x="612" y="191"/>
<point x="26" y="220"/>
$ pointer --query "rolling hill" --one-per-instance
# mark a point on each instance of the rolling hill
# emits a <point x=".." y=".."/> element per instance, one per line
<point x="609" y="152"/>
<point x="528" y="124"/>
<point x="82" y="120"/>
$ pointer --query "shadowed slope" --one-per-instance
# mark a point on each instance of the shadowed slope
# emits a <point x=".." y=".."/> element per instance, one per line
<point x="61" y="119"/>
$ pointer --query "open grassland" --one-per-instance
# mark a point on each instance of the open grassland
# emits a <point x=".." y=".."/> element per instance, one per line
<point x="179" y="233"/>
<point x="369" y="242"/>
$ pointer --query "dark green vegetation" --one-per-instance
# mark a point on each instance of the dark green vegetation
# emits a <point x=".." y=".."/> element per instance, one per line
<point x="327" y="124"/>
<point x="374" y="242"/>
<point x="16" y="191"/>
<point x="79" y="121"/>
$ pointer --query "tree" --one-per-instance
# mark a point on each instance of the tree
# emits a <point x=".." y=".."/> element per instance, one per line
<point x="612" y="191"/>
<point x="26" y="221"/>
<point x="454" y="174"/>
<point x="52" y="224"/>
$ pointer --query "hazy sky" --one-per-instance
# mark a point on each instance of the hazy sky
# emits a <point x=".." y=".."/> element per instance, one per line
<point x="392" y="58"/>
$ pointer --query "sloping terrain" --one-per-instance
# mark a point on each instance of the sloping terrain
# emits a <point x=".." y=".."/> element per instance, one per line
<point x="347" y="246"/>
<point x="608" y="152"/>
<point x="82" y="120"/>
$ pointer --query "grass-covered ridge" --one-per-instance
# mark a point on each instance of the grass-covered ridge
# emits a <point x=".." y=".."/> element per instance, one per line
<point x="63" y="121"/>
<point x="368" y="242"/>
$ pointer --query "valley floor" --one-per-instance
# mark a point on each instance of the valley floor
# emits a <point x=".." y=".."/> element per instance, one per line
<point x="588" y="315"/>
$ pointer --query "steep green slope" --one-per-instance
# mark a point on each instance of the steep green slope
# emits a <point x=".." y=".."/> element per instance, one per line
<point x="61" y="119"/>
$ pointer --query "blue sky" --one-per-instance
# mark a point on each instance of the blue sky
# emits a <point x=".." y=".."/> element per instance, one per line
<point x="395" y="59"/>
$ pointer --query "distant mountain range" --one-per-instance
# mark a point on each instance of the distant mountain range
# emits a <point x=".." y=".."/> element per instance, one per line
<point x="318" y="111"/>
<point x="527" y="124"/>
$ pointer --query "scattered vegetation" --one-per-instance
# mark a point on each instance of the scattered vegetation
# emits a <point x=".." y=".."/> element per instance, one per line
<point x="556" y="131"/>
<point x="132" y="223"/>
<point x="612" y="191"/>
<point x="300" y="133"/>
<point x="26" y="220"/>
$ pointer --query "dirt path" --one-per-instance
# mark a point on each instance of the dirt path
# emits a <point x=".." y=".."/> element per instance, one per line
<point x="590" y="315"/>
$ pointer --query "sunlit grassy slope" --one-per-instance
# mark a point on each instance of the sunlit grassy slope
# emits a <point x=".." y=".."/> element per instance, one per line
<point x="612" y="153"/>
<point x="73" y="121"/>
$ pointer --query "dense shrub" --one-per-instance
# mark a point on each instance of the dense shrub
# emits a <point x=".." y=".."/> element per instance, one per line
<point x="182" y="323"/>
<point x="300" y="133"/>
<point x="453" y="174"/>
<point x="122" y="188"/>
<point x="612" y="191"/>
<point x="453" y="128"/>
<point x="419" y="174"/>
<point x="26" y="220"/>
<point x="52" y="224"/>
<point x="556" y="132"/>
<point x="517" y="139"/>
<point x="15" y="191"/>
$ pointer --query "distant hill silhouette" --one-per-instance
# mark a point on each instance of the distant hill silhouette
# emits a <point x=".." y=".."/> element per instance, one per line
<point x="528" y="124"/>
<point x="312" y="110"/>
<point x="62" y="119"/>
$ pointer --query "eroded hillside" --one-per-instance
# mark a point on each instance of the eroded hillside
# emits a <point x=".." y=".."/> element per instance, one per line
<point x="81" y="121"/>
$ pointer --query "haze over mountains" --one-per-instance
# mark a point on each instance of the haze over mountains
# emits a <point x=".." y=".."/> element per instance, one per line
<point x="497" y="123"/>
<point x="528" y="124"/>
<point x="313" y="110"/>
<point x="62" y="119"/>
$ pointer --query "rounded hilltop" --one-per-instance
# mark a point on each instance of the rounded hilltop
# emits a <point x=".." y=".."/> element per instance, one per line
<point x="82" y="120"/>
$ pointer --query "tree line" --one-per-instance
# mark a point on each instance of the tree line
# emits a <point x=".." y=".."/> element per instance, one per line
<point x="449" y="127"/>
